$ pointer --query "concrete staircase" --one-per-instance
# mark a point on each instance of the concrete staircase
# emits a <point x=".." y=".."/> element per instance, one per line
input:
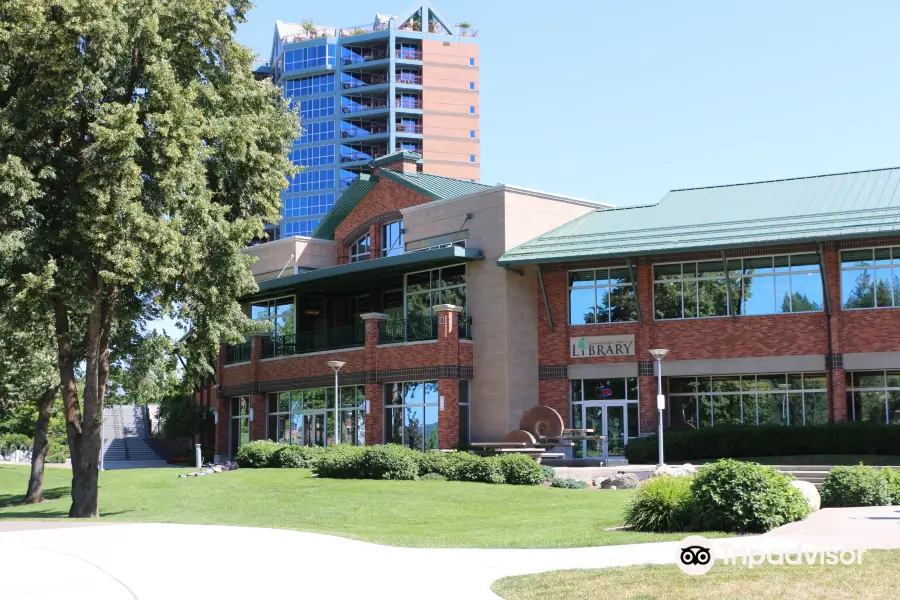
<point x="814" y="474"/>
<point x="126" y="435"/>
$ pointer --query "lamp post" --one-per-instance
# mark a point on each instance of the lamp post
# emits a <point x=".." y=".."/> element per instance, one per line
<point x="336" y="365"/>
<point x="659" y="354"/>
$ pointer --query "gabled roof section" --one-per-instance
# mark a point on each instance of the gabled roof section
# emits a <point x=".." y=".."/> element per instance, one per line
<point x="435" y="186"/>
<point x="822" y="207"/>
<point x="394" y="157"/>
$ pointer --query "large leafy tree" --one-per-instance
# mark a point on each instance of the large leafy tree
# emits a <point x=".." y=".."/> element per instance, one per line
<point x="143" y="370"/>
<point x="151" y="157"/>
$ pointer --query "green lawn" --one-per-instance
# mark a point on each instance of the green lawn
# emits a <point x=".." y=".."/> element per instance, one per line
<point x="398" y="513"/>
<point x="875" y="579"/>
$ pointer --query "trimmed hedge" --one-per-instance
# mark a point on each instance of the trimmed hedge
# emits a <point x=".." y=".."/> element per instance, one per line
<point x="520" y="470"/>
<point x="257" y="455"/>
<point x="731" y="495"/>
<point x="857" y="486"/>
<point x="662" y="504"/>
<point x="737" y="441"/>
<point x="893" y="478"/>
<point x="568" y="483"/>
<point x="289" y="456"/>
<point x="341" y="462"/>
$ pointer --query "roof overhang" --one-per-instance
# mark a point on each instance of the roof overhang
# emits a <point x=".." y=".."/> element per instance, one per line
<point x="365" y="275"/>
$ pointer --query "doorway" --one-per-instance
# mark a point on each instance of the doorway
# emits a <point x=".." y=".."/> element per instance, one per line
<point x="609" y="419"/>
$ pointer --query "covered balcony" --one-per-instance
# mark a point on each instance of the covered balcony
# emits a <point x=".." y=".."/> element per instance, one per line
<point x="361" y="79"/>
<point x="358" y="128"/>
<point x="362" y="153"/>
<point x="363" y="103"/>
<point x="361" y="54"/>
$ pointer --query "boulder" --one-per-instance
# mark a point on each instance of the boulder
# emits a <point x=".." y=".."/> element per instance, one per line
<point x="621" y="481"/>
<point x="598" y="481"/>
<point x="674" y="471"/>
<point x="809" y="492"/>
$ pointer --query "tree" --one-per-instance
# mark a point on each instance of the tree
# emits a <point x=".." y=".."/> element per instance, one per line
<point x="143" y="371"/>
<point x="151" y="157"/>
<point x="798" y="302"/>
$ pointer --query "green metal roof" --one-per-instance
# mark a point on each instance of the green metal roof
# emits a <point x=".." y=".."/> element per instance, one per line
<point x="394" y="157"/>
<point x="366" y="275"/>
<point x="816" y="208"/>
<point x="431" y="186"/>
<point x="435" y="186"/>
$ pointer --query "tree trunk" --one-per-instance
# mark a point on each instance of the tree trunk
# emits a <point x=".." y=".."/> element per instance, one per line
<point x="35" y="491"/>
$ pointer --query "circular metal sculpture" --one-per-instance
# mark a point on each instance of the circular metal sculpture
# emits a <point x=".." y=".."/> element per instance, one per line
<point x="520" y="435"/>
<point x="542" y="421"/>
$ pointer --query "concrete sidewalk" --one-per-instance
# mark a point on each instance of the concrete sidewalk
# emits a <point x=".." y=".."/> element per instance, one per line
<point x="137" y="560"/>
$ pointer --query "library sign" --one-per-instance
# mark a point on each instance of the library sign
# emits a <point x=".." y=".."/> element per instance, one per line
<point x="601" y="345"/>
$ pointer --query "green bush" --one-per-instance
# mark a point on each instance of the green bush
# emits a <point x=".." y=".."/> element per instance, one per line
<point x="662" y="504"/>
<point x="288" y="456"/>
<point x="893" y="479"/>
<point x="736" y="441"/>
<point x="341" y="462"/>
<point x="462" y="466"/>
<point x="389" y="462"/>
<point x="519" y="469"/>
<point x="567" y="483"/>
<point x="433" y="477"/>
<point x="856" y="486"/>
<point x="19" y="440"/>
<point x="432" y="462"/>
<point x="256" y="455"/>
<point x="730" y="495"/>
<point x="549" y="473"/>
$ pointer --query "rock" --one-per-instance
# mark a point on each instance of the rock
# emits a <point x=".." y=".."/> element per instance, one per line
<point x="621" y="481"/>
<point x="598" y="481"/>
<point x="689" y="468"/>
<point x="675" y="471"/>
<point x="217" y="468"/>
<point x="809" y="492"/>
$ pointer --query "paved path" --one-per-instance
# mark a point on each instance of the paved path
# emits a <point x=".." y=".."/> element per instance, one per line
<point x="146" y="561"/>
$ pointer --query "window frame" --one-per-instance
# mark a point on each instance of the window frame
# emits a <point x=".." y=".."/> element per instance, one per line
<point x="353" y="250"/>
<point x="891" y="266"/>
<point x="851" y="391"/>
<point x="273" y="301"/>
<point x="595" y="287"/>
<point x="432" y="289"/>
<point x="398" y="245"/>
<point x="386" y="407"/>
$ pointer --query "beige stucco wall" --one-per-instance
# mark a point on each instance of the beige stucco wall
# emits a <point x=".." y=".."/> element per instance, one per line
<point x="308" y="253"/>
<point x="502" y="303"/>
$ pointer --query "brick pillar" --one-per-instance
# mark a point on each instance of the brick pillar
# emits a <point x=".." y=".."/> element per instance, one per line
<point x="448" y="317"/>
<point x="258" y="424"/>
<point x="841" y="409"/>
<point x="555" y="394"/>
<point x="647" y="403"/>
<point x="374" y="391"/>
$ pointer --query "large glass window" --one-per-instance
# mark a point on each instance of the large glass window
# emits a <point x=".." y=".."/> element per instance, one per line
<point x="427" y="289"/>
<point x="874" y="396"/>
<point x="279" y="312"/>
<point x="392" y="238"/>
<point x="309" y="57"/>
<point x="303" y="206"/>
<point x="610" y="408"/>
<point x="317" y="108"/>
<point x="301" y="228"/>
<point x="361" y="249"/>
<point x="314" y="156"/>
<point x="869" y="278"/>
<point x="317" y="132"/>
<point x="411" y="414"/>
<point x="464" y="412"/>
<point x="307" y="86"/>
<point x="239" y="421"/>
<point x="312" y="181"/>
<point x="306" y="417"/>
<point x="759" y="286"/>
<point x="601" y="296"/>
<point x="776" y="399"/>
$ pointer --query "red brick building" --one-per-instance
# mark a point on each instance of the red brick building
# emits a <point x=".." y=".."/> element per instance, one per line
<point x="777" y="301"/>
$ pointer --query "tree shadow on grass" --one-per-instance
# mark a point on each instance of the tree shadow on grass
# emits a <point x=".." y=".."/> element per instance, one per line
<point x="8" y="500"/>
<point x="41" y="515"/>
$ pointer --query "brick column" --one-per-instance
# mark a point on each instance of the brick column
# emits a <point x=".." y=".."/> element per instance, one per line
<point x="374" y="391"/>
<point x="555" y="394"/>
<point x="841" y="409"/>
<point x="448" y="317"/>
<point x="258" y="424"/>
<point x="647" y="403"/>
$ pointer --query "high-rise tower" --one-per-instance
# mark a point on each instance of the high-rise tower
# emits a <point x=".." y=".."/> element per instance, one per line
<point x="399" y="83"/>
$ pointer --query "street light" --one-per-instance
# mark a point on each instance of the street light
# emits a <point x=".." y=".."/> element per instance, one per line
<point x="336" y="365"/>
<point x="659" y="354"/>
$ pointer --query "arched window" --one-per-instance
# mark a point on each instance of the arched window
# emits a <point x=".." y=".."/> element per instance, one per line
<point x="360" y="250"/>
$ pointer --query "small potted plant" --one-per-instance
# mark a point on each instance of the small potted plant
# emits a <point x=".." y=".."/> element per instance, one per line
<point x="308" y="26"/>
<point x="464" y="27"/>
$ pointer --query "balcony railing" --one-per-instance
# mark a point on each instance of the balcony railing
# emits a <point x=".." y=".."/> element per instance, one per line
<point x="465" y="328"/>
<point x="408" y="79"/>
<point x="359" y="132"/>
<point x="362" y="29"/>
<point x="356" y="59"/>
<point x="352" y="108"/>
<point x="409" y="54"/>
<point x="408" y="330"/>
<point x="356" y="82"/>
<point x="414" y="104"/>
<point x="237" y="353"/>
<point x="409" y="128"/>
<point x="358" y="156"/>
<point x="352" y="336"/>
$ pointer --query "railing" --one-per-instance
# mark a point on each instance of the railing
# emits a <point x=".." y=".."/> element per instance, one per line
<point x="409" y="54"/>
<point x="408" y="330"/>
<point x="359" y="132"/>
<point x="358" y="156"/>
<point x="352" y="336"/>
<point x="415" y="104"/>
<point x="465" y="328"/>
<point x="355" y="83"/>
<point x="352" y="108"/>
<point x="362" y="29"/>
<point x="416" y="149"/>
<point x="364" y="58"/>
<point x="408" y="79"/>
<point x="409" y="128"/>
<point x="237" y="353"/>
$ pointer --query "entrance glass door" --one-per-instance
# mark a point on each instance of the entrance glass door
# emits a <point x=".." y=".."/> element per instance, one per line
<point x="609" y="419"/>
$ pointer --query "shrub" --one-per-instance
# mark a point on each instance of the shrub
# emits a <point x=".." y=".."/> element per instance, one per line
<point x="288" y="456"/>
<point x="256" y="455"/>
<point x="730" y="495"/>
<point x="19" y="440"/>
<point x="518" y="469"/>
<point x="389" y="462"/>
<point x="549" y="473"/>
<point x="893" y="479"/>
<point x="855" y="486"/>
<point x="432" y="462"/>
<point x="737" y="441"/>
<point x="462" y="466"/>
<point x="342" y="461"/>
<point x="568" y="483"/>
<point x="433" y="477"/>
<point x="663" y="504"/>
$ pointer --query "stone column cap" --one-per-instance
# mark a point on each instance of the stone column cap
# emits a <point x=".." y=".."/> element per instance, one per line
<point x="374" y="315"/>
<point x="448" y="308"/>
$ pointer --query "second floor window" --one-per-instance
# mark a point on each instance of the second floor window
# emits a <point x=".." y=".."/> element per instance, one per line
<point x="870" y="278"/>
<point x="278" y="312"/>
<point x="392" y="238"/>
<point x="360" y="250"/>
<point x="601" y="296"/>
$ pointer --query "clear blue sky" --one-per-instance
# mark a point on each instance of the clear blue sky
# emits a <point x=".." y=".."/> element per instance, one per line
<point x="621" y="101"/>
